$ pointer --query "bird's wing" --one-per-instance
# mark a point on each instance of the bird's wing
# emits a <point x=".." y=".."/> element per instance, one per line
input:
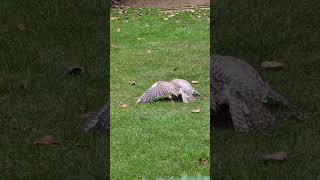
<point x="99" y="121"/>
<point x="185" y="86"/>
<point x="186" y="98"/>
<point x="157" y="91"/>
<point x="251" y="115"/>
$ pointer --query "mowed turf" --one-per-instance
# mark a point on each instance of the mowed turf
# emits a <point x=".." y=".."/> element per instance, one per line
<point x="38" y="97"/>
<point x="286" y="31"/>
<point x="161" y="139"/>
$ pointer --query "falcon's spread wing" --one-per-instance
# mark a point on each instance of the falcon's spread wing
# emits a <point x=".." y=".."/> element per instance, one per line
<point x="186" y="98"/>
<point x="99" y="121"/>
<point x="158" y="90"/>
<point x="185" y="86"/>
<point x="244" y="92"/>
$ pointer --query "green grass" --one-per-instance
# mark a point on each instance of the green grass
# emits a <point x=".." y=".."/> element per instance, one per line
<point x="37" y="93"/>
<point x="285" y="31"/>
<point x="161" y="139"/>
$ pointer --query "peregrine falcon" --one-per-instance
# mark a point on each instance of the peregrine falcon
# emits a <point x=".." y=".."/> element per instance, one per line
<point x="177" y="89"/>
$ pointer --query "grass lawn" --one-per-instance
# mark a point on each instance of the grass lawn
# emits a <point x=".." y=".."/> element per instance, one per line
<point x="37" y="97"/>
<point x="286" y="31"/>
<point x="161" y="139"/>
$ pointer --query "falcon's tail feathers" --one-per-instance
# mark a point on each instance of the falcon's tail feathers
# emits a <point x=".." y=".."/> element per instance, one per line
<point x="275" y="96"/>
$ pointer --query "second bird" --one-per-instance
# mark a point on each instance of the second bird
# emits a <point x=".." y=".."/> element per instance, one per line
<point x="177" y="89"/>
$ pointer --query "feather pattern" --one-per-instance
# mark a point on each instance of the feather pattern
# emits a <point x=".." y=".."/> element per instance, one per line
<point x="239" y="86"/>
<point x="100" y="120"/>
<point x="172" y="90"/>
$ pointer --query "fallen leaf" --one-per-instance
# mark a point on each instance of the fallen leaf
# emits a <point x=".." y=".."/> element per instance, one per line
<point x="277" y="156"/>
<point x="148" y="51"/>
<point x="22" y="27"/>
<point x="114" y="18"/>
<point x="48" y="140"/>
<point x="203" y="162"/>
<point x="272" y="65"/>
<point x="196" y="110"/>
<point x="75" y="70"/>
<point x="139" y="38"/>
<point x="165" y="19"/>
<point x="133" y="83"/>
<point x="124" y="106"/>
<point x="117" y="70"/>
<point x="195" y="82"/>
<point x="118" y="30"/>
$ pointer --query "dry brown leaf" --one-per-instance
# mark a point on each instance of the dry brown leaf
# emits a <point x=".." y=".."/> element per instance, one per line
<point x="148" y="51"/>
<point x="272" y="65"/>
<point x="195" y="82"/>
<point x="203" y="162"/>
<point x="114" y="18"/>
<point x="196" y="110"/>
<point x="277" y="156"/>
<point x="48" y="140"/>
<point x="118" y="30"/>
<point x="75" y="70"/>
<point x="133" y="83"/>
<point x="165" y="19"/>
<point x="124" y="106"/>
<point x="117" y="70"/>
<point x="22" y="27"/>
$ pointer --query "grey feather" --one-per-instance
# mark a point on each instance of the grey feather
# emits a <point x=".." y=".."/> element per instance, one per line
<point x="175" y="89"/>
<point x="101" y="120"/>
<point x="237" y="85"/>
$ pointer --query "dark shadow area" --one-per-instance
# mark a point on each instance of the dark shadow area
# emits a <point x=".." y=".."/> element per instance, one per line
<point x="285" y="32"/>
<point x="54" y="71"/>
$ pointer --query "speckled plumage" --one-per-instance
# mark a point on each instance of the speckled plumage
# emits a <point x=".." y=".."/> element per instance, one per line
<point x="237" y="89"/>
<point x="100" y="120"/>
<point x="175" y="89"/>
